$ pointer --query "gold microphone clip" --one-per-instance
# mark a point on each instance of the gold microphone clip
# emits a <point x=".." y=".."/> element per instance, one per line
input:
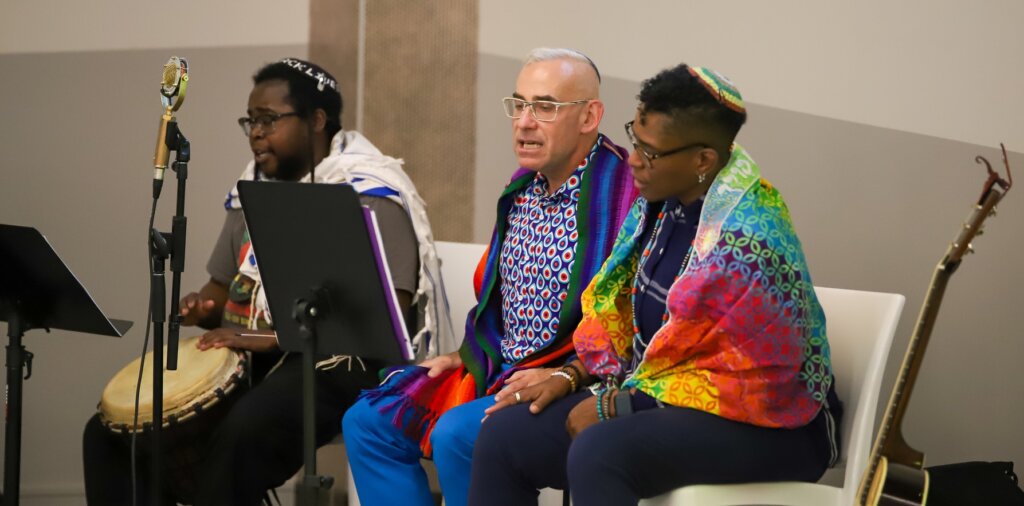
<point x="172" y="94"/>
<point x="174" y="83"/>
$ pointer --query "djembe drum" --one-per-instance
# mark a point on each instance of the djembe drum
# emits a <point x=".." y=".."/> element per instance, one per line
<point x="195" y="398"/>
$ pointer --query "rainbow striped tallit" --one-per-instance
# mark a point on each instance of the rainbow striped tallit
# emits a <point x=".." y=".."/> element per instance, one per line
<point x="606" y="195"/>
<point x="745" y="338"/>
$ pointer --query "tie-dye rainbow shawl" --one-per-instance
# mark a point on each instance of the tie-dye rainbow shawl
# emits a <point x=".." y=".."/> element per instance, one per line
<point x="745" y="338"/>
<point x="606" y="196"/>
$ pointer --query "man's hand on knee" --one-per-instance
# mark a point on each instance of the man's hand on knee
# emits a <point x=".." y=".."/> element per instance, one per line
<point x="442" y="363"/>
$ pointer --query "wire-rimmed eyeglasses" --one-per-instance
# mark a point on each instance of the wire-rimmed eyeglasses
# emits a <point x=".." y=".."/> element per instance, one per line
<point x="542" y="110"/>
<point x="266" y="122"/>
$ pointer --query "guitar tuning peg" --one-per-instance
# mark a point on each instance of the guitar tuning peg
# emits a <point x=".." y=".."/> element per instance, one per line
<point x="981" y="231"/>
<point x="970" y="248"/>
<point x="992" y="213"/>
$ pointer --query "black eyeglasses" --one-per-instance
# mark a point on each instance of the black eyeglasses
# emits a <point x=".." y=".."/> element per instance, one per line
<point x="266" y="122"/>
<point x="647" y="157"/>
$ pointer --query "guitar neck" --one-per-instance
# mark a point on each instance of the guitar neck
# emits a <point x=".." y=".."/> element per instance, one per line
<point x="890" y="440"/>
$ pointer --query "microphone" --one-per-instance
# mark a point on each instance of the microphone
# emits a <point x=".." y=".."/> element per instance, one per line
<point x="172" y="94"/>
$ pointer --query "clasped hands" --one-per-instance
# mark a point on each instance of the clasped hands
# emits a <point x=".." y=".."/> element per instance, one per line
<point x="539" y="388"/>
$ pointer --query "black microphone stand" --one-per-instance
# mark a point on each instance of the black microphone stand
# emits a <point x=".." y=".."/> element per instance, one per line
<point x="162" y="246"/>
<point x="179" y="224"/>
<point x="18" y="360"/>
<point x="313" y="487"/>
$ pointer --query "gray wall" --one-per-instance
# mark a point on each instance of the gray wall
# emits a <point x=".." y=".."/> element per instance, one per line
<point x="876" y="209"/>
<point x="937" y="67"/>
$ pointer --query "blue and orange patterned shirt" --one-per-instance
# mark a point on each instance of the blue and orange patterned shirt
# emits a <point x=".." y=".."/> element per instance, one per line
<point x="536" y="261"/>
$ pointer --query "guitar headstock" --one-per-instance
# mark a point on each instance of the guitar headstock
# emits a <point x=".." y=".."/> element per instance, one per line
<point x="991" y="193"/>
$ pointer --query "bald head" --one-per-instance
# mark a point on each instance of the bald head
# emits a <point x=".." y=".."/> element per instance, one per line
<point x="577" y="69"/>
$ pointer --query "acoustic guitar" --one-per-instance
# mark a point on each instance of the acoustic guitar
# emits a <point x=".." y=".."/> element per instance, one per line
<point x="895" y="474"/>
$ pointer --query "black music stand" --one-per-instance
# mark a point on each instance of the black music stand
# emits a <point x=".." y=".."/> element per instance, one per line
<point x="322" y="265"/>
<point x="37" y="291"/>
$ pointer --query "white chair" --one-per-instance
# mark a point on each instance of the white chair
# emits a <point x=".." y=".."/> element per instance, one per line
<point x="458" y="264"/>
<point x="860" y="329"/>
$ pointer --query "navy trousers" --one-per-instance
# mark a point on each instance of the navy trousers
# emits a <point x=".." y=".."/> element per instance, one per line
<point x="621" y="460"/>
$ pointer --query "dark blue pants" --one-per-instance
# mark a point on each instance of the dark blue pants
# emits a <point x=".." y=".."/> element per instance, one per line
<point x="622" y="460"/>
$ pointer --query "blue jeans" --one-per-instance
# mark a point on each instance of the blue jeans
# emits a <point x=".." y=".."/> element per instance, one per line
<point x="385" y="462"/>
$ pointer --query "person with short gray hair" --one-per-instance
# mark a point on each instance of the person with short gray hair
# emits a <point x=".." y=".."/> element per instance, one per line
<point x="556" y="222"/>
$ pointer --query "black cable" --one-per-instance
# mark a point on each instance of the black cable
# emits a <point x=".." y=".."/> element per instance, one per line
<point x="142" y="360"/>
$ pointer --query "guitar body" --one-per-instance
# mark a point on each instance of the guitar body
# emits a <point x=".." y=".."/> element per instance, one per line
<point x="897" y="485"/>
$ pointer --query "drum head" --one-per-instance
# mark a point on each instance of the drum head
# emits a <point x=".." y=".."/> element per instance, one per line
<point x="199" y="373"/>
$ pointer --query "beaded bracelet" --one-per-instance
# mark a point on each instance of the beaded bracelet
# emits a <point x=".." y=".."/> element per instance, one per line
<point x="568" y="377"/>
<point x="608" y="403"/>
<point x="571" y="370"/>
<point x="576" y="372"/>
<point x="576" y="381"/>
<point x="600" y="412"/>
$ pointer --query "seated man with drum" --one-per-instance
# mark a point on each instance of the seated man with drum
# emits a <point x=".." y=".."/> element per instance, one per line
<point x="252" y="441"/>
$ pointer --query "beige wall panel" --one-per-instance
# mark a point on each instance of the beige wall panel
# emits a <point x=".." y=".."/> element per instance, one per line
<point x="420" y="104"/>
<point x="334" y="45"/>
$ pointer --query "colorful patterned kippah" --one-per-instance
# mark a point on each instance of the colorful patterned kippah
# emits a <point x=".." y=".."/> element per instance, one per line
<point x="314" y="72"/>
<point x="721" y="87"/>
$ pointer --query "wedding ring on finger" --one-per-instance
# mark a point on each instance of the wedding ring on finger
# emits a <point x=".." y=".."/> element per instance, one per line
<point x="518" y="398"/>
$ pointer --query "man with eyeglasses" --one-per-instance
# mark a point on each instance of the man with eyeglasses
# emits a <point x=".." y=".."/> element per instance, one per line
<point x="293" y="126"/>
<point x="556" y="222"/>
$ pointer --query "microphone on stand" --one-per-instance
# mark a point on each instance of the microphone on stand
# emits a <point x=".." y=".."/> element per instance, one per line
<point x="163" y="246"/>
<point x="172" y="94"/>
